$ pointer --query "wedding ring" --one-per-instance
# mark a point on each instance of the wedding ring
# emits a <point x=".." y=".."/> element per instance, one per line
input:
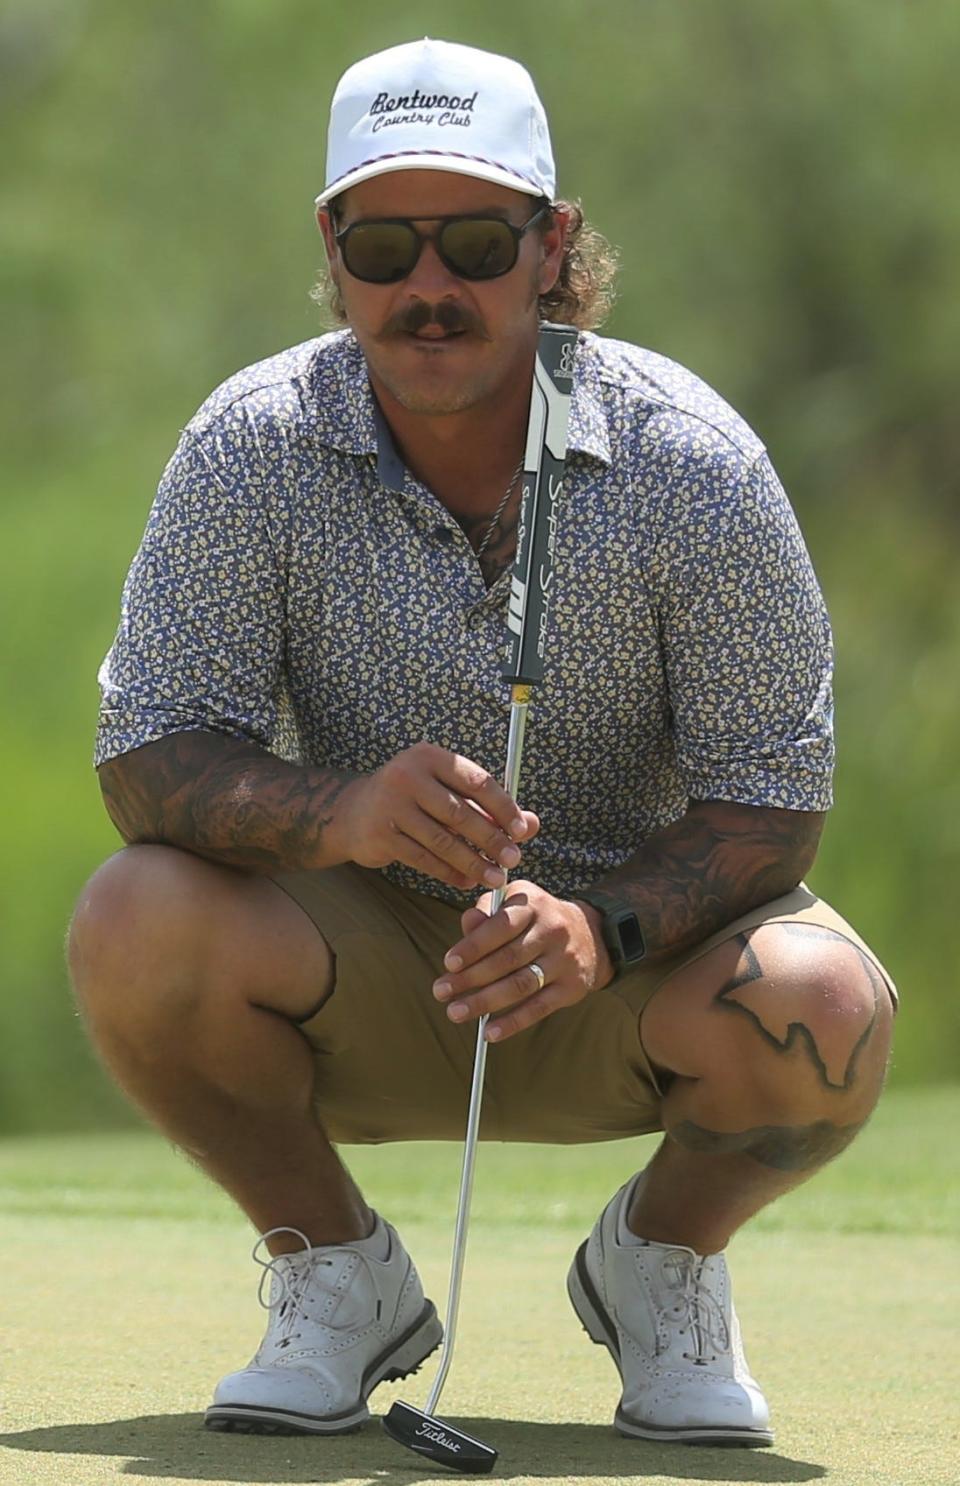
<point x="538" y="972"/>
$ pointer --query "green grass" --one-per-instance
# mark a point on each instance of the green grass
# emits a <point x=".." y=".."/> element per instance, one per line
<point x="128" y="1291"/>
<point x="899" y="1177"/>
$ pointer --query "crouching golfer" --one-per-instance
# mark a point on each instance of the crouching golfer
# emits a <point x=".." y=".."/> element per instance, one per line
<point x="303" y="723"/>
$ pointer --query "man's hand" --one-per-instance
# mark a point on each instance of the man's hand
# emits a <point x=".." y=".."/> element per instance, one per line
<point x="488" y="970"/>
<point x="437" y="812"/>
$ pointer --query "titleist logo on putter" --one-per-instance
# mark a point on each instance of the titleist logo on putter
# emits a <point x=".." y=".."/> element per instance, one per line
<point x="428" y="1431"/>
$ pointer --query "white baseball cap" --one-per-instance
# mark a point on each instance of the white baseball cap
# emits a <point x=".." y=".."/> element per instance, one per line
<point x="436" y="105"/>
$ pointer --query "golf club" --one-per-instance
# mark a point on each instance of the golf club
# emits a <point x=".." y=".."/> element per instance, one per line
<point x="527" y="620"/>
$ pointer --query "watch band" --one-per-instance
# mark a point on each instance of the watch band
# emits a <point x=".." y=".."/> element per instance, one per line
<point x="621" y="928"/>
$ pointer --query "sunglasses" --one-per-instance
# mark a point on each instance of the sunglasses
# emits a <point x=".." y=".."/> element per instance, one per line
<point x="385" y="250"/>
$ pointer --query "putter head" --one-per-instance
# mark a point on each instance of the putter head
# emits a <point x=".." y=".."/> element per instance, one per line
<point x="438" y="1441"/>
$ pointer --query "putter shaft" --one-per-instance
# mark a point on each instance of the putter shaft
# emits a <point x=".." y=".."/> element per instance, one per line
<point x="519" y="701"/>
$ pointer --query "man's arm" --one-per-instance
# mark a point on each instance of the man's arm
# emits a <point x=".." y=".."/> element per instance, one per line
<point x="688" y="880"/>
<point x="235" y="803"/>
<point x="224" y="799"/>
<point x="746" y="651"/>
<point x="712" y="865"/>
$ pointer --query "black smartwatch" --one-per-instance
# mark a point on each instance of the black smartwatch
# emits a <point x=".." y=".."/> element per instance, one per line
<point x="620" y="928"/>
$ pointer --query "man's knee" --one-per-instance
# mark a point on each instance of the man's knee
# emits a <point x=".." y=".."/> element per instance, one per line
<point x="139" y="912"/>
<point x="157" y="931"/>
<point x="792" y="1006"/>
<point x="817" y="1004"/>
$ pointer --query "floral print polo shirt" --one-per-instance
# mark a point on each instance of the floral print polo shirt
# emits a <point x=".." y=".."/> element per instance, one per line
<point x="297" y="587"/>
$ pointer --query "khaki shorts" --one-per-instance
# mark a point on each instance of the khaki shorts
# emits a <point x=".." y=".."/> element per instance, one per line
<point x="392" y="1066"/>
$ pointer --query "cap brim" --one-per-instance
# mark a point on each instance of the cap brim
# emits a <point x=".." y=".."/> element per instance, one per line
<point x="482" y="170"/>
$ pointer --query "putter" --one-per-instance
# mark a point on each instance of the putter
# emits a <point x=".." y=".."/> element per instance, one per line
<point x="527" y="620"/>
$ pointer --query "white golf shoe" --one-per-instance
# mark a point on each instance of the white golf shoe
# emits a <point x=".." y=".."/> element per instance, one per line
<point x="666" y="1316"/>
<point x="340" y="1323"/>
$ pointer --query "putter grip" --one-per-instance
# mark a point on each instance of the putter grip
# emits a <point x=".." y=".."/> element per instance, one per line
<point x="531" y="582"/>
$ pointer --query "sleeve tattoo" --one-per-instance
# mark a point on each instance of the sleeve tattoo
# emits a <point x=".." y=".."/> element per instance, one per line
<point x="715" y="863"/>
<point x="224" y="799"/>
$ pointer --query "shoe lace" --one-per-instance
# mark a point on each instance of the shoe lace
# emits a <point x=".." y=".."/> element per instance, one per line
<point x="695" y="1307"/>
<point x="295" y="1279"/>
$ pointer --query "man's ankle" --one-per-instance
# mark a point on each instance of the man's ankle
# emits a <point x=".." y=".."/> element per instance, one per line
<point x="325" y="1230"/>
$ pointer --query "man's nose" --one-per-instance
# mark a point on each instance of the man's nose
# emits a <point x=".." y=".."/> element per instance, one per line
<point x="430" y="279"/>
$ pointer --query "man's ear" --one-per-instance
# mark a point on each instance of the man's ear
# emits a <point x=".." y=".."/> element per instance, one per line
<point x="325" y="223"/>
<point x="552" y="244"/>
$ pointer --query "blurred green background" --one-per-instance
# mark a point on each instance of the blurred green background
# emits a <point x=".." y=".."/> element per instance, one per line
<point x="782" y="181"/>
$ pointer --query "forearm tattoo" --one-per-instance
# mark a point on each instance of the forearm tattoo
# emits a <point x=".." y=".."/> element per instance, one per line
<point x="224" y="799"/>
<point x="712" y="865"/>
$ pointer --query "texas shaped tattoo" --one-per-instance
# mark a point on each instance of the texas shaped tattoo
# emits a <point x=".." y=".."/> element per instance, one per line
<point x="770" y="1014"/>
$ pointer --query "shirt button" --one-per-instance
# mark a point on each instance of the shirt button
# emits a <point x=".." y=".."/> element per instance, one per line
<point x="443" y="535"/>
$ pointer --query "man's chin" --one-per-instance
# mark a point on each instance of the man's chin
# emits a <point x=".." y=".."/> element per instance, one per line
<point x="429" y="390"/>
<point x="416" y="400"/>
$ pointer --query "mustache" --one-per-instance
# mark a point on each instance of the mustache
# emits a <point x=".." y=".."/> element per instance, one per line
<point x="449" y="315"/>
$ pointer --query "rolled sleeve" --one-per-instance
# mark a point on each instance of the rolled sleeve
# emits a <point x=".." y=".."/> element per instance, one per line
<point x="199" y="644"/>
<point x="748" y="648"/>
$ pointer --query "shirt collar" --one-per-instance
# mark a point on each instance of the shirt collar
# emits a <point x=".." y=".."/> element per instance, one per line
<point x="391" y="469"/>
<point x="348" y="417"/>
<point x="589" y="428"/>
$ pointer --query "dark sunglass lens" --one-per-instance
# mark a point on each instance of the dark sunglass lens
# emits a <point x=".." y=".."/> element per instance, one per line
<point x="478" y="248"/>
<point x="380" y="252"/>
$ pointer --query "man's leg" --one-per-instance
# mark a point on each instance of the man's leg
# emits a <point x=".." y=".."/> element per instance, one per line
<point x="192" y="978"/>
<point x="773" y="1049"/>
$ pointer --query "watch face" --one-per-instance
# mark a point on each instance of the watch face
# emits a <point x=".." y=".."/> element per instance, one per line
<point x="622" y="933"/>
<point x="626" y="927"/>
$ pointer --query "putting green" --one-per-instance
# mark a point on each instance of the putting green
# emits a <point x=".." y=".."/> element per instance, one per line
<point x="128" y="1291"/>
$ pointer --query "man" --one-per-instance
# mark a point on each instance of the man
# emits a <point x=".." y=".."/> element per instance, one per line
<point x="303" y="721"/>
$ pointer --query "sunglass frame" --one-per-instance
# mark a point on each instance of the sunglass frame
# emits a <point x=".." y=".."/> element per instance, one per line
<point x="342" y="238"/>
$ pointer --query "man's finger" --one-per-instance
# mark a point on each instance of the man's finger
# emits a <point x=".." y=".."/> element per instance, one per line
<point x="527" y="1014"/>
<point x="476" y="783"/>
<point x="412" y="854"/>
<point x="472" y="918"/>
<point x="514" y="917"/>
<point x="511" y="959"/>
<point x="511" y="993"/>
<point x="453" y="850"/>
<point x="464" y="819"/>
